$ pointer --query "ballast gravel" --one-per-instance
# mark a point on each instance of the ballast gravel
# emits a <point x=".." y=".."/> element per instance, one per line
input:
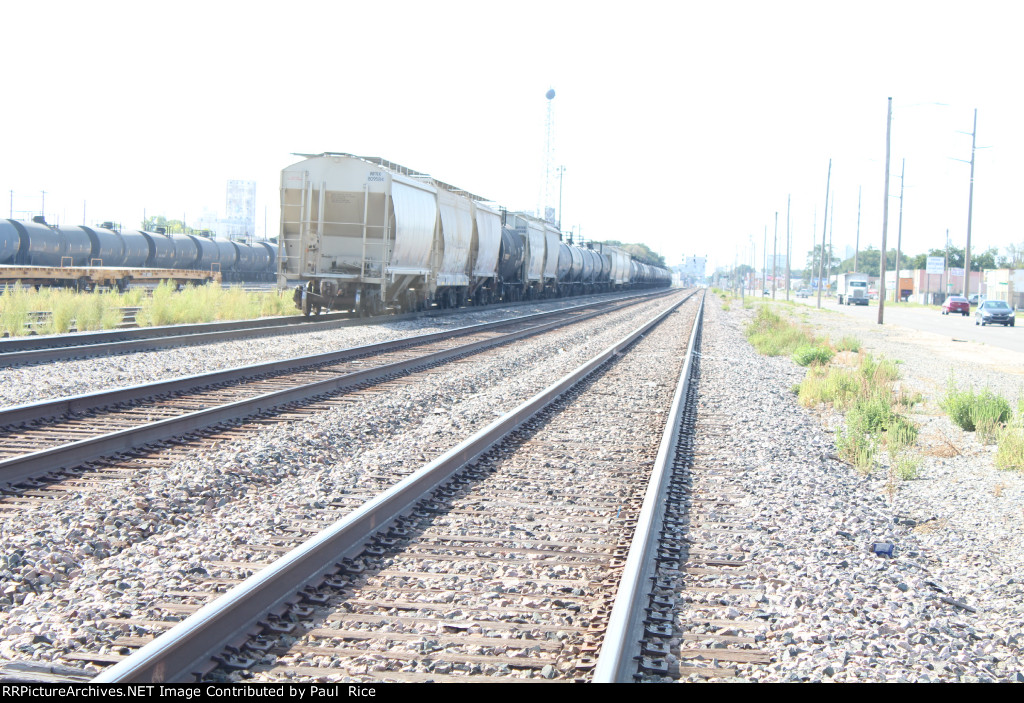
<point x="948" y="605"/>
<point x="120" y="551"/>
<point x="34" y="383"/>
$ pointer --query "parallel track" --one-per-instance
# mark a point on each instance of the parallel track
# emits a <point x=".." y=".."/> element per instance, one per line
<point x="48" y="349"/>
<point x="53" y="435"/>
<point x="475" y="504"/>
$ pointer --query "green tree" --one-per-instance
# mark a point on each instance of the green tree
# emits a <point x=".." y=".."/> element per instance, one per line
<point x="170" y="226"/>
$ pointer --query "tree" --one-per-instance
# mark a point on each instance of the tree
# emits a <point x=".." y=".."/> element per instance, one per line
<point x="829" y="267"/>
<point x="1014" y="258"/>
<point x="170" y="226"/>
<point x="640" y="252"/>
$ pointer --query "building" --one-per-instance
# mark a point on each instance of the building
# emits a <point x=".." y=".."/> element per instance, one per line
<point x="1005" y="284"/>
<point x="692" y="269"/>
<point x="240" y="214"/>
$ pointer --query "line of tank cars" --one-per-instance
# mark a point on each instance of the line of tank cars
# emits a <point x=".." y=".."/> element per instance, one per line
<point x="368" y="235"/>
<point x="39" y="244"/>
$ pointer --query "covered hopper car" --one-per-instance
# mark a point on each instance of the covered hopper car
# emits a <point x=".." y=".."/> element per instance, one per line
<point x="368" y="235"/>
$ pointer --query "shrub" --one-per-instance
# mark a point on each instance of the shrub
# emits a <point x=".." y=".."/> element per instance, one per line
<point x="902" y="433"/>
<point x="857" y="447"/>
<point x="1010" y="449"/>
<point x="906" y="467"/>
<point x="807" y="354"/>
<point x="967" y="409"/>
<point x="848" y="344"/>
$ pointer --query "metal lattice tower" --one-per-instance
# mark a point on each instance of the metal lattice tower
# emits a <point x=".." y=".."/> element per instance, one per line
<point x="547" y="198"/>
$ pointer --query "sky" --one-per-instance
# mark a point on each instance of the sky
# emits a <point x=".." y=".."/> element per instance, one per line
<point x="682" y="125"/>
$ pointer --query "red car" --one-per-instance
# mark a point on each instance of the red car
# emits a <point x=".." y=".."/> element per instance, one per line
<point x="956" y="303"/>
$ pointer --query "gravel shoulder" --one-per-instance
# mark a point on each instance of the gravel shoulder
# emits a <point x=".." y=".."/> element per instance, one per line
<point x="950" y="605"/>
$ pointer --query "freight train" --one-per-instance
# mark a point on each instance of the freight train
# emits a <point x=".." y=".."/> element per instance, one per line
<point x="368" y="235"/>
<point x="39" y="247"/>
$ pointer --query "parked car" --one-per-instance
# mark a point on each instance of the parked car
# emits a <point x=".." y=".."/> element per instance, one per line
<point x="956" y="303"/>
<point x="975" y="299"/>
<point x="803" y="293"/>
<point x="994" y="312"/>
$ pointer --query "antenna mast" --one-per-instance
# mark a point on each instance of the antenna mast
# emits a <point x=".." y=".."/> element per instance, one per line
<point x="546" y="210"/>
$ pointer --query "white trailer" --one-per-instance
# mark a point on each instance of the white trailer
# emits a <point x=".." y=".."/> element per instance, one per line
<point x="852" y="288"/>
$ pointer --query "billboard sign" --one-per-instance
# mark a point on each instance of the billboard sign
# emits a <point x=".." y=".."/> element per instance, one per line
<point x="936" y="264"/>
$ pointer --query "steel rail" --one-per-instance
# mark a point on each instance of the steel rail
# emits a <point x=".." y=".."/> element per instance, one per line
<point x="176" y="655"/>
<point x="617" y="662"/>
<point x="34" y="350"/>
<point x="19" y="468"/>
<point x="30" y="412"/>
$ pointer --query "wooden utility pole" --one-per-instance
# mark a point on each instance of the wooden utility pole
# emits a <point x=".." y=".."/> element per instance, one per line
<point x="814" y="247"/>
<point x="856" y="249"/>
<point x="899" y="237"/>
<point x="789" y="249"/>
<point x="970" y="207"/>
<point x="824" y="228"/>
<point x="945" y="288"/>
<point x="831" y="219"/>
<point x="775" y="251"/>
<point x="885" y="219"/>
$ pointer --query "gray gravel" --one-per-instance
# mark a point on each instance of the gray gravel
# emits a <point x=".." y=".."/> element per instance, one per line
<point x="118" y="551"/>
<point x="30" y="384"/>
<point x="950" y="605"/>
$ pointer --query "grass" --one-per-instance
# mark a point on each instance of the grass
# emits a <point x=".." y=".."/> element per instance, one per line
<point x="863" y="391"/>
<point x="1010" y="448"/>
<point x="969" y="409"/>
<point x="66" y="308"/>
<point x="103" y="310"/>
<point x="771" y="335"/>
<point x="196" y="304"/>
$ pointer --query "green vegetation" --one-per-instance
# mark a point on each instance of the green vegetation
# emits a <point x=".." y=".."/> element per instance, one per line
<point x="208" y="303"/>
<point x="69" y="309"/>
<point x="967" y="409"/>
<point x="66" y="308"/>
<point x="773" y="336"/>
<point x="807" y="355"/>
<point x="855" y="383"/>
<point x="1010" y="447"/>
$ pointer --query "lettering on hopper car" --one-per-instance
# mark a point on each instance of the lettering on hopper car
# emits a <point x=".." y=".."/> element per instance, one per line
<point x="375" y="177"/>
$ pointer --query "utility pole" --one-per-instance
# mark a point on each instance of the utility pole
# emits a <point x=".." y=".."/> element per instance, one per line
<point x="775" y="251"/>
<point x="788" y="247"/>
<point x="856" y="250"/>
<point x="899" y="237"/>
<point x="764" y="271"/>
<point x="561" y="173"/>
<point x="970" y="207"/>
<point x="824" y="222"/>
<point x="831" y="219"/>
<point x="885" y="219"/>
<point x="945" y="288"/>
<point x="814" y="247"/>
<point x="12" y="204"/>
<point x="42" y="207"/>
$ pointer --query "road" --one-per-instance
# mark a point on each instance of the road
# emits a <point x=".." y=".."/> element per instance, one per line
<point x="957" y="327"/>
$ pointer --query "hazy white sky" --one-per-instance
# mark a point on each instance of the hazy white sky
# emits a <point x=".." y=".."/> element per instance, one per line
<point x="682" y="125"/>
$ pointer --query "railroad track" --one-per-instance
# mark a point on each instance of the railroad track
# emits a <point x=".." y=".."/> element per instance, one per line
<point x="498" y="560"/>
<point x="61" y="434"/>
<point x="47" y="349"/>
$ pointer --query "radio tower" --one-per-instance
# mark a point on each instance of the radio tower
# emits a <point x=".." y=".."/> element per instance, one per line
<point x="547" y="210"/>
